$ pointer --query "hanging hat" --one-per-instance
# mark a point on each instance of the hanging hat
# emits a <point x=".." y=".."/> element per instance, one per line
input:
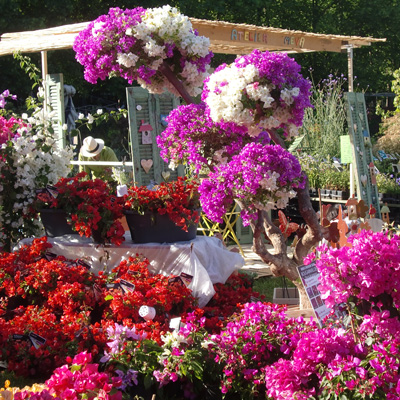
<point x="91" y="146"/>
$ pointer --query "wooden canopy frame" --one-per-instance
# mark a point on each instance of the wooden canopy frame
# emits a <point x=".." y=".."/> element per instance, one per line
<point x="225" y="37"/>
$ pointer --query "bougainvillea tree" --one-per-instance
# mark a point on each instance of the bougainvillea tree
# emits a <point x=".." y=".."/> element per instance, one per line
<point x="250" y="110"/>
<point x="238" y="135"/>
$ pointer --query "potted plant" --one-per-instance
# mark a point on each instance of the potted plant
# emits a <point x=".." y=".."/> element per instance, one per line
<point x="90" y="205"/>
<point x="388" y="187"/>
<point x="168" y="212"/>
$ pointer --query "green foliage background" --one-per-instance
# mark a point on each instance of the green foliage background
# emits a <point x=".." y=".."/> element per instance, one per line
<point x="373" y="66"/>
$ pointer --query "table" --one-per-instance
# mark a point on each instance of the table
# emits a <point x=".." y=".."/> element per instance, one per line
<point x="205" y="258"/>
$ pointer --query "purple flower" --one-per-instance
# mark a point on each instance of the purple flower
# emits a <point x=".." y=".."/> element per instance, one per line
<point x="260" y="177"/>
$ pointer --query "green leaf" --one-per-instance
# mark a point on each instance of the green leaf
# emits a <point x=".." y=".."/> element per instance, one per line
<point x="75" y="367"/>
<point x="108" y="297"/>
<point x="347" y="320"/>
<point x="183" y="369"/>
<point x="148" y="381"/>
<point x="74" y="132"/>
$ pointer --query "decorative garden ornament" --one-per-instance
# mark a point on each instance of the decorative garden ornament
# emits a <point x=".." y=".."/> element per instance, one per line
<point x="146" y="130"/>
<point x="146" y="164"/>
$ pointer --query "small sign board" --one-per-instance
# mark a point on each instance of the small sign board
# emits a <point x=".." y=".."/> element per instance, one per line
<point x="346" y="153"/>
<point x="309" y="275"/>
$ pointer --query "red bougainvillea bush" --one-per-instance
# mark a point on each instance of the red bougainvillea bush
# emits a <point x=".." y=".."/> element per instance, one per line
<point x="52" y="308"/>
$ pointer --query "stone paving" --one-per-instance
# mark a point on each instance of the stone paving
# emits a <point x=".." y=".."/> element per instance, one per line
<point x="253" y="263"/>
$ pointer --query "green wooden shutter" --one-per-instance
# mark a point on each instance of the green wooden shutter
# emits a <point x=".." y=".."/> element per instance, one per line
<point x="149" y="108"/>
<point x="362" y="154"/>
<point x="55" y="101"/>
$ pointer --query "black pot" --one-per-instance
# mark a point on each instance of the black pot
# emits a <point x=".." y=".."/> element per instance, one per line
<point x="98" y="237"/>
<point x="152" y="227"/>
<point x="55" y="222"/>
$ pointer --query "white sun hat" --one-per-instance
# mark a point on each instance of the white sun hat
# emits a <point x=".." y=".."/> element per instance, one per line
<point x="91" y="146"/>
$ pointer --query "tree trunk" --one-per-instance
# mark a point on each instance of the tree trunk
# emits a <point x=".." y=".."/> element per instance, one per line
<point x="278" y="260"/>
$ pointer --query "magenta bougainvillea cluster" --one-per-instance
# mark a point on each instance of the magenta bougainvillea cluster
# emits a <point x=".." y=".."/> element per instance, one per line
<point x="134" y="43"/>
<point x="262" y="91"/>
<point x="260" y="177"/>
<point x="259" y="97"/>
<point x="100" y="60"/>
<point x="366" y="270"/>
<point x="192" y="138"/>
<point x="9" y="128"/>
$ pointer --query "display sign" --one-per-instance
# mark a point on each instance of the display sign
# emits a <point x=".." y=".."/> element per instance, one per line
<point x="346" y="154"/>
<point x="309" y="275"/>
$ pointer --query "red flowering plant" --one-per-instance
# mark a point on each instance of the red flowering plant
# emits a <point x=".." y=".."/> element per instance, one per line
<point x="178" y="199"/>
<point x="43" y="310"/>
<point x="52" y="308"/>
<point x="131" y="286"/>
<point x="91" y="205"/>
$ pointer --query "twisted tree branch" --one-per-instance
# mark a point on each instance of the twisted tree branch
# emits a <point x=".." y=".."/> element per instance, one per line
<point x="165" y="69"/>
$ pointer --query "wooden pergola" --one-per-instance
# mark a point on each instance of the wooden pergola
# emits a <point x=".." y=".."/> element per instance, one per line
<point x="225" y="38"/>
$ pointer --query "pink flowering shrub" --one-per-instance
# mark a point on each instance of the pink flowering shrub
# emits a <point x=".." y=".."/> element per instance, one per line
<point x="263" y="91"/>
<point x="134" y="43"/>
<point x="8" y="128"/>
<point x="3" y="96"/>
<point x="328" y="363"/>
<point x="82" y="379"/>
<point x="298" y="377"/>
<point x="258" y="336"/>
<point x="193" y="138"/>
<point x="366" y="274"/>
<point x="99" y="60"/>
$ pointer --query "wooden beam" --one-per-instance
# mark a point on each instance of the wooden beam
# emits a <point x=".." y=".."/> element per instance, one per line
<point x="225" y="37"/>
<point x="249" y="37"/>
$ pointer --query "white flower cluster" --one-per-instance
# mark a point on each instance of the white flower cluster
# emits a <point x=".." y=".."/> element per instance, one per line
<point x="275" y="197"/>
<point x="36" y="161"/>
<point x="279" y="200"/>
<point x="127" y="60"/>
<point x="228" y="87"/>
<point x="160" y="27"/>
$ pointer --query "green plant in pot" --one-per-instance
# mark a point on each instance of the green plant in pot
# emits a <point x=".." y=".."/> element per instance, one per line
<point x="387" y="184"/>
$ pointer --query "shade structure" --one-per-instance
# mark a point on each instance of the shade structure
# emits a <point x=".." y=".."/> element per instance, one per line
<point x="225" y="37"/>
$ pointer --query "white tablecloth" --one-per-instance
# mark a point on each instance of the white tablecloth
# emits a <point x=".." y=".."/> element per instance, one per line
<point x="205" y="258"/>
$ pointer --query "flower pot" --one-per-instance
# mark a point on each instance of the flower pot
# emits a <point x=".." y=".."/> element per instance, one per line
<point x="325" y="193"/>
<point x="313" y="192"/>
<point x="97" y="236"/>
<point x="55" y="222"/>
<point x="151" y="227"/>
<point x="334" y="195"/>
